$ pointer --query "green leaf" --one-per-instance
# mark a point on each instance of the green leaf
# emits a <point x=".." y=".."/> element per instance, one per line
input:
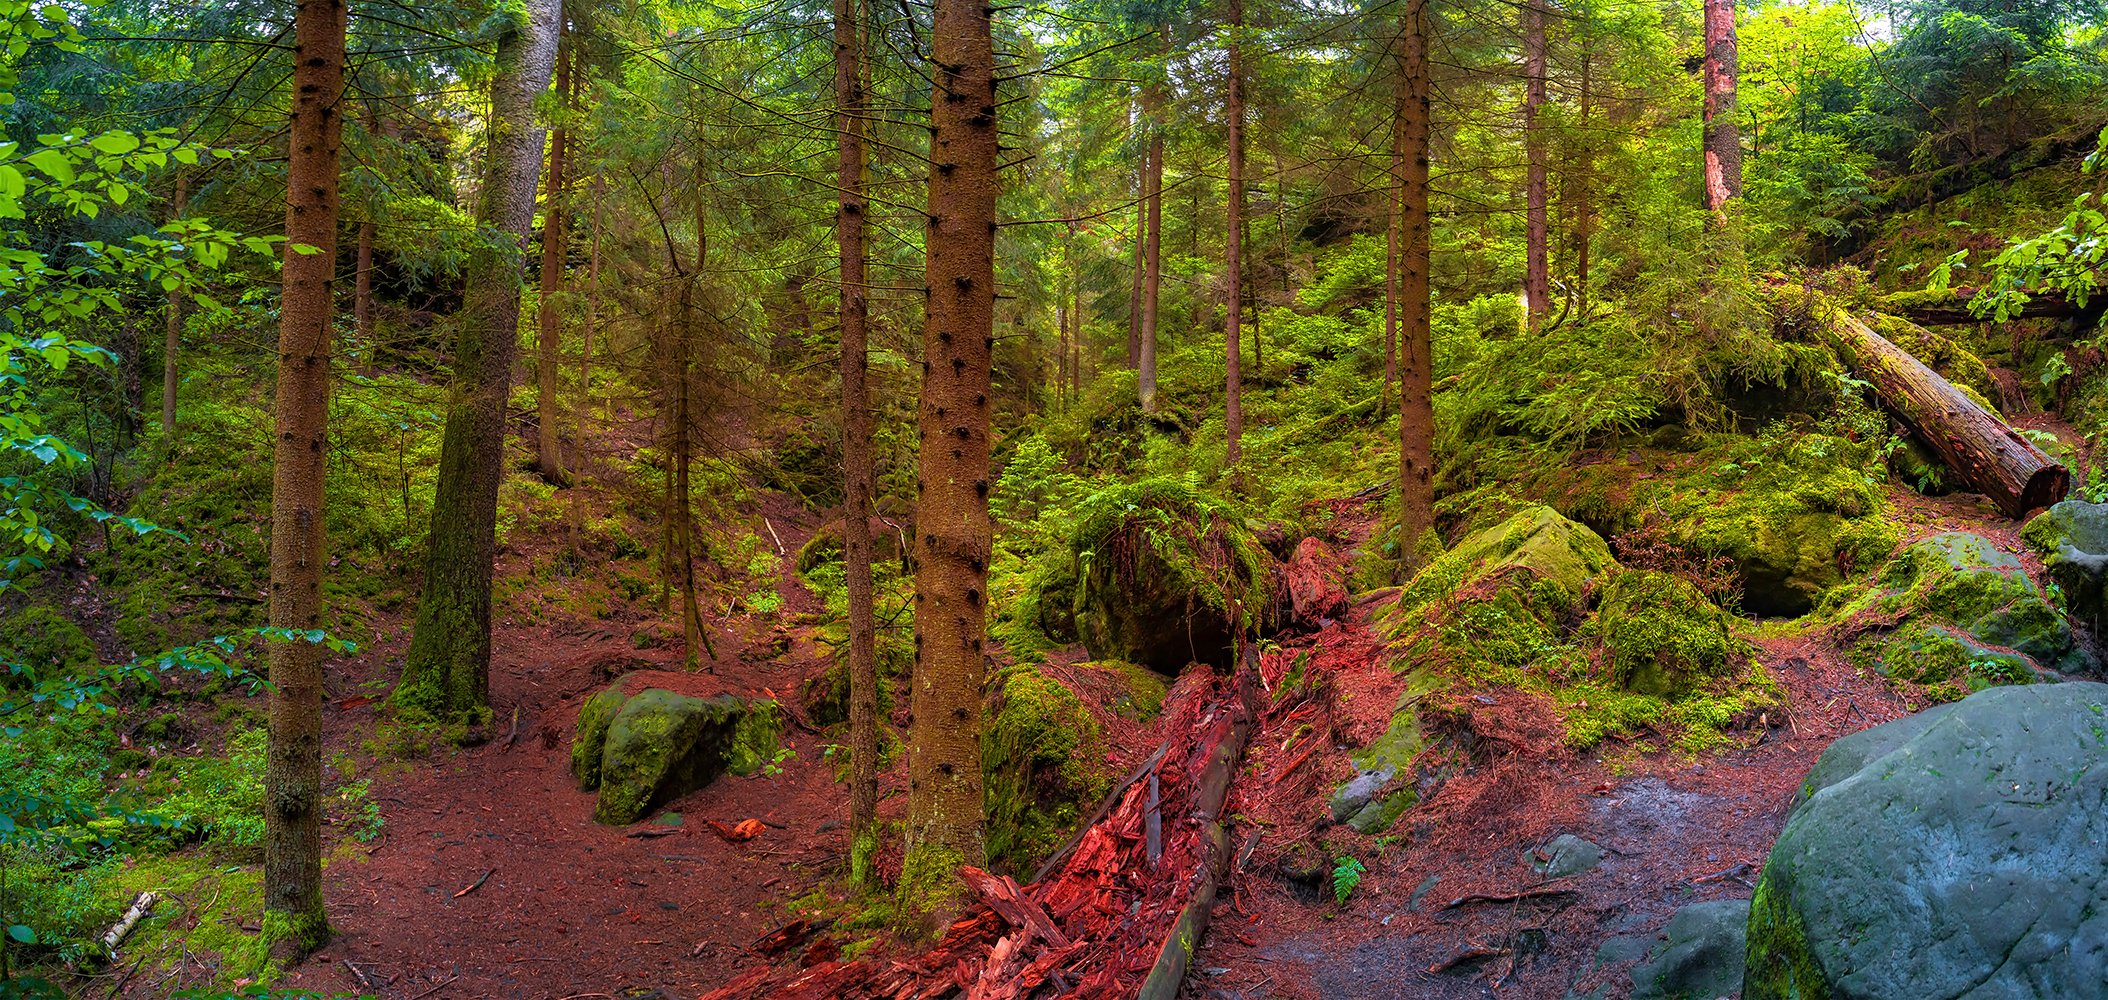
<point x="22" y="933"/>
<point x="53" y="163"/>
<point x="115" y="143"/>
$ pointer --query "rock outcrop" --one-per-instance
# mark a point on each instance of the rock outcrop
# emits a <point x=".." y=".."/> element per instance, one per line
<point x="643" y="750"/>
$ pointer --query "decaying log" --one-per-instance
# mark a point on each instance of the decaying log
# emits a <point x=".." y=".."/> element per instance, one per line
<point x="1983" y="449"/>
<point x="1954" y="309"/>
<point x="140" y="907"/>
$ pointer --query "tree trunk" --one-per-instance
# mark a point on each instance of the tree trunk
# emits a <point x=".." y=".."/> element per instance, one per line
<point x="856" y="447"/>
<point x="362" y="282"/>
<point x="1988" y="454"/>
<point x="1153" y="243"/>
<point x="1394" y="221"/>
<point x="1723" y="139"/>
<point x="446" y="673"/>
<point x="293" y="768"/>
<point x="1134" y="287"/>
<point x="1537" y="276"/>
<point x="548" y="315"/>
<point x="1233" y="253"/>
<point x="954" y="534"/>
<point x="1584" y="178"/>
<point x="695" y="639"/>
<point x="1416" y="416"/>
<point x="172" y="344"/>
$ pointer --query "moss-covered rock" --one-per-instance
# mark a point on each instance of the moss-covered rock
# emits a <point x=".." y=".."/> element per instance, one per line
<point x="1964" y="580"/>
<point x="1945" y="661"/>
<point x="2073" y="539"/>
<point x="658" y="745"/>
<point x="1166" y="575"/>
<point x="1661" y="635"/>
<point x="1797" y="514"/>
<point x="1536" y="548"/>
<point x="591" y="737"/>
<point x="1037" y="760"/>
<point x="1383" y="788"/>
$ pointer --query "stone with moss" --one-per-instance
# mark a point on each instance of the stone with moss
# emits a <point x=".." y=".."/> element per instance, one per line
<point x="1959" y="856"/>
<point x="2073" y="539"/>
<point x="1383" y="788"/>
<point x="1038" y="754"/>
<point x="1536" y="548"/>
<point x="1796" y="514"/>
<point x="1965" y="580"/>
<point x="591" y="737"/>
<point x="659" y="745"/>
<point x="1661" y="635"/>
<point x="1166" y="575"/>
<point x="1946" y="662"/>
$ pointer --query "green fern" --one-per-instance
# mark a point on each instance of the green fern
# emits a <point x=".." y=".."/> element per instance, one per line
<point x="1346" y="874"/>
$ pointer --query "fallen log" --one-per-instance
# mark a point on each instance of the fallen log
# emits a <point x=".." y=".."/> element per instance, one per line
<point x="1952" y="308"/>
<point x="1173" y="959"/>
<point x="1983" y="449"/>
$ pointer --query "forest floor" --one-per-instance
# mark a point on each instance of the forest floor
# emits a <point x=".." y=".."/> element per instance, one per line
<point x="490" y="878"/>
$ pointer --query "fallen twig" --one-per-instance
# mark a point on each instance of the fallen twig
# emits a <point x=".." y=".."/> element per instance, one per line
<point x="436" y="987"/>
<point x="140" y="907"/>
<point x="1507" y="897"/>
<point x="1472" y="954"/>
<point x="477" y="884"/>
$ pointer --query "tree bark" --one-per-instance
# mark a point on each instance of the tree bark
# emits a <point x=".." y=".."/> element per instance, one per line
<point x="1416" y="416"/>
<point x="548" y="317"/>
<point x="1233" y="252"/>
<point x="1988" y="454"/>
<point x="293" y="767"/>
<point x="1955" y="310"/>
<point x="446" y="673"/>
<point x="1584" y="177"/>
<point x="1134" y="288"/>
<point x="1537" y="276"/>
<point x="856" y="446"/>
<point x="1153" y="243"/>
<point x="954" y="532"/>
<point x="172" y="343"/>
<point x="1723" y="139"/>
<point x="362" y="282"/>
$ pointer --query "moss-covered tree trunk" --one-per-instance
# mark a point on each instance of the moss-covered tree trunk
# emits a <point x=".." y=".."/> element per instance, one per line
<point x="1153" y="238"/>
<point x="954" y="534"/>
<point x="548" y="320"/>
<point x="856" y="445"/>
<point x="1416" y="415"/>
<point x="447" y="671"/>
<point x="293" y="767"/>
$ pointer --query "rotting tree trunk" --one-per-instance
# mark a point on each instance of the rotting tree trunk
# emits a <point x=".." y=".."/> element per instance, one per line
<point x="293" y="767"/>
<point x="856" y="446"/>
<point x="1416" y="415"/>
<point x="954" y="534"/>
<point x="172" y="343"/>
<point x="446" y="673"/>
<point x="548" y="316"/>
<point x="1153" y="243"/>
<point x="1176" y="956"/>
<point x="1723" y="138"/>
<point x="1233" y="252"/>
<point x="1537" y="269"/>
<point x="1954" y="311"/>
<point x="1987" y="453"/>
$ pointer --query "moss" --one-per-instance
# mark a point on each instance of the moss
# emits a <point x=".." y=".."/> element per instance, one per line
<point x="756" y="738"/>
<point x="1964" y="580"/>
<point x="1955" y="363"/>
<point x="1036" y="754"/>
<point x="929" y="886"/>
<point x="44" y="640"/>
<point x="662" y="745"/>
<point x="1780" y="965"/>
<point x="1661" y="635"/>
<point x="1141" y="696"/>
<point x="825" y="546"/>
<point x="594" y="718"/>
<point x="1166" y="574"/>
<point x="1558" y="556"/>
<point x="1941" y="663"/>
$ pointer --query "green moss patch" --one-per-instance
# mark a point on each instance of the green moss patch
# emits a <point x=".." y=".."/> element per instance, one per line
<point x="1038" y="754"/>
<point x="1166" y="575"/>
<point x="658" y="746"/>
<point x="1661" y="635"/>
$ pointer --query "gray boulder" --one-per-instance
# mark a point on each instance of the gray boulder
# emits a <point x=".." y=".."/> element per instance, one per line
<point x="2073" y="539"/>
<point x="1960" y="856"/>
<point x="1565" y="855"/>
<point x="1700" y="956"/>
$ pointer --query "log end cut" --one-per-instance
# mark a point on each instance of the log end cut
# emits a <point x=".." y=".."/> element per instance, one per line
<point x="2047" y="486"/>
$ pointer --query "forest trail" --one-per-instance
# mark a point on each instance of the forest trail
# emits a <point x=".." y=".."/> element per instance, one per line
<point x="492" y="880"/>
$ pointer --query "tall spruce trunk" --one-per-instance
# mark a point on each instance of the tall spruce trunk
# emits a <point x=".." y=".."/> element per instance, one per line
<point x="1723" y="139"/>
<point x="1394" y="221"/>
<point x="1416" y="416"/>
<point x="1537" y="269"/>
<point x="954" y="533"/>
<point x="362" y="275"/>
<point x="856" y="445"/>
<point x="1152" y="241"/>
<point x="446" y="673"/>
<point x="1583" y="179"/>
<point x="172" y="340"/>
<point x="1233" y="253"/>
<point x="293" y="765"/>
<point x="549" y="332"/>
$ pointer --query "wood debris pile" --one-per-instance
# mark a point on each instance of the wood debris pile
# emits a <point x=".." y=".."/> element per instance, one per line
<point x="1120" y="914"/>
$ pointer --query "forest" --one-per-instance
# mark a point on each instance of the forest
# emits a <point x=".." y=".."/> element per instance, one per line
<point x="1227" y="499"/>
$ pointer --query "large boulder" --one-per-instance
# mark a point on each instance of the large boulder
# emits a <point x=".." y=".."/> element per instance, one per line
<point x="1504" y="594"/>
<point x="1167" y="576"/>
<point x="2073" y="539"/>
<point x="1661" y="635"/>
<point x="1962" y="853"/>
<point x="1040" y="754"/>
<point x="646" y="749"/>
